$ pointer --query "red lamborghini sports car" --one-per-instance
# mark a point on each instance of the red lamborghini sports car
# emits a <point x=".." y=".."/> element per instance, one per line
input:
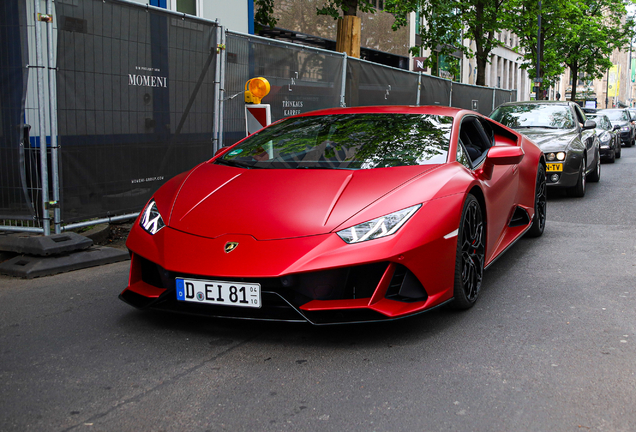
<point x="340" y="215"/>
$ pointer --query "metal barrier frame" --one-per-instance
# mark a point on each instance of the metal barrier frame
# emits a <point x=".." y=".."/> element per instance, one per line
<point x="219" y="98"/>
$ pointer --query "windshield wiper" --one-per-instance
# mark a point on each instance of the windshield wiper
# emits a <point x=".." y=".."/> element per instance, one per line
<point x="536" y="127"/>
<point x="234" y="163"/>
<point x="323" y="167"/>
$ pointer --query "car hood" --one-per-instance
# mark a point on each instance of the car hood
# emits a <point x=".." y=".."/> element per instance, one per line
<point x="273" y="204"/>
<point x="619" y="123"/>
<point x="550" y="140"/>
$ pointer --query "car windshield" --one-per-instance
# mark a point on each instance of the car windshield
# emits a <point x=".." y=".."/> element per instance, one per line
<point x="534" y="116"/>
<point x="346" y="141"/>
<point x="601" y="121"/>
<point x="615" y="115"/>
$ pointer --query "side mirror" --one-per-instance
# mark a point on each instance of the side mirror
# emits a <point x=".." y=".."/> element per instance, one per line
<point x="501" y="155"/>
<point x="616" y="127"/>
<point x="589" y="124"/>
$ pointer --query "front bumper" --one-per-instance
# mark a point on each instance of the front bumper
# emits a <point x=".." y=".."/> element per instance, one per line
<point x="371" y="292"/>
<point x="606" y="152"/>
<point x="626" y="137"/>
<point x="317" y="279"/>
<point x="569" y="174"/>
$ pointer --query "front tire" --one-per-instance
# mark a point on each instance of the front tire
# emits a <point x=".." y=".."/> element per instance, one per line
<point x="595" y="175"/>
<point x="540" y="204"/>
<point x="470" y="256"/>
<point x="578" y="190"/>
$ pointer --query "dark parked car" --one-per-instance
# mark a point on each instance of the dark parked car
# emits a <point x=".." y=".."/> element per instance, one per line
<point x="622" y="117"/>
<point x="565" y="136"/>
<point x="610" y="141"/>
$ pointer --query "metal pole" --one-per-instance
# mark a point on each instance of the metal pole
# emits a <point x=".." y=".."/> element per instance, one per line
<point x="607" y="90"/>
<point x="538" y="83"/>
<point x="419" y="87"/>
<point x="450" y="95"/>
<point x="217" y="90"/>
<point x="53" y="119"/>
<point x="44" y="171"/>
<point x="222" y="86"/>
<point x="343" y="87"/>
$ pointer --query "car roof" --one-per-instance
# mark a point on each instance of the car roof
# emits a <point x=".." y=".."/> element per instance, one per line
<point x="394" y="109"/>
<point x="541" y="102"/>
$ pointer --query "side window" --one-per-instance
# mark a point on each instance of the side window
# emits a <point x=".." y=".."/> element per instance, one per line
<point x="461" y="155"/>
<point x="475" y="140"/>
<point x="580" y="117"/>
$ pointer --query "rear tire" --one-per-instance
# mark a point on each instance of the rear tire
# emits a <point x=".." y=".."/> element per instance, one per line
<point x="540" y="204"/>
<point x="470" y="255"/>
<point x="578" y="190"/>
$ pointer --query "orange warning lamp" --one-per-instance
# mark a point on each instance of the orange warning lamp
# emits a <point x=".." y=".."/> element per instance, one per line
<point x="255" y="90"/>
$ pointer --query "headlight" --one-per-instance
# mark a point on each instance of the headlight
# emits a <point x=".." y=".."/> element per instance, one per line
<point x="604" y="137"/>
<point x="555" y="156"/>
<point x="151" y="221"/>
<point x="624" y="128"/>
<point x="380" y="227"/>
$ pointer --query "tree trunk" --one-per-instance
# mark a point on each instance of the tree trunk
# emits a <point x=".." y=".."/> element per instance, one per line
<point x="574" y="73"/>
<point x="348" y="40"/>
<point x="482" y="62"/>
<point x="351" y="7"/>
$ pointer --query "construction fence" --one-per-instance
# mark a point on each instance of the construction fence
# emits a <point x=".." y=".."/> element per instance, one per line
<point x="102" y="101"/>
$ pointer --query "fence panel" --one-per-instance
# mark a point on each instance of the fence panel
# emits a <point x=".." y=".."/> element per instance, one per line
<point x="373" y="84"/>
<point x="502" y="96"/>
<point x="19" y="162"/>
<point x="302" y="79"/>
<point x="136" y="96"/>
<point x="472" y="97"/>
<point x="435" y="91"/>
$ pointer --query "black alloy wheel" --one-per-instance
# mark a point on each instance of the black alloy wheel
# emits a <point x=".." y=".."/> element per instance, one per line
<point x="578" y="190"/>
<point x="471" y="254"/>
<point x="595" y="175"/>
<point x="540" y="204"/>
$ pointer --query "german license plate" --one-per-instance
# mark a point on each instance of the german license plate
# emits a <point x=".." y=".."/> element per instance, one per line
<point x="219" y="292"/>
<point x="554" y="167"/>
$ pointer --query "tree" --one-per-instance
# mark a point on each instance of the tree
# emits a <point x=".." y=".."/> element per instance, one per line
<point x="595" y="31"/>
<point x="440" y="30"/>
<point x="482" y="18"/>
<point x="578" y="34"/>
<point x="447" y="22"/>
<point x="522" y="19"/>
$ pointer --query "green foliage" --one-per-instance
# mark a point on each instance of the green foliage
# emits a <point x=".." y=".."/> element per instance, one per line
<point x="595" y="32"/>
<point x="264" y="13"/>
<point x="579" y="34"/>
<point x="446" y="22"/>
<point x="333" y="8"/>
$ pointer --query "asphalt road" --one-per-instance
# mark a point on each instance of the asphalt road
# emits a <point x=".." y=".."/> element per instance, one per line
<point x="550" y="346"/>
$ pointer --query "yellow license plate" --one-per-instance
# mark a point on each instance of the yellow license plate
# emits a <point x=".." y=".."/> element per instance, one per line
<point x="554" y="167"/>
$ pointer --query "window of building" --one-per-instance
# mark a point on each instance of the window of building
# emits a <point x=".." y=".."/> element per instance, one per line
<point x="186" y="6"/>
